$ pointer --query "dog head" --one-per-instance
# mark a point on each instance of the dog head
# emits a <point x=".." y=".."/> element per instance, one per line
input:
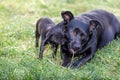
<point x="56" y="34"/>
<point x="78" y="31"/>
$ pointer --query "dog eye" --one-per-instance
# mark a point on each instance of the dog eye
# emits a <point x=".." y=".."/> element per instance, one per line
<point x="72" y="33"/>
<point x="82" y="36"/>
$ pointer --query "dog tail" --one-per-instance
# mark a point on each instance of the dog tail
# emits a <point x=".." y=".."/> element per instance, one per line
<point x="37" y="35"/>
<point x="37" y="24"/>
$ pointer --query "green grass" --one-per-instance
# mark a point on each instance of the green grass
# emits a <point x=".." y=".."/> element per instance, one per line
<point x="19" y="57"/>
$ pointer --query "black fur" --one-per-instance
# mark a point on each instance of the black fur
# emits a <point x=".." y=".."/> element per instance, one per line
<point x="50" y="34"/>
<point x="86" y="34"/>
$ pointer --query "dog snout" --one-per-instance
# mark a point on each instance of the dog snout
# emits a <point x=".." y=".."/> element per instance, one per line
<point x="76" y="47"/>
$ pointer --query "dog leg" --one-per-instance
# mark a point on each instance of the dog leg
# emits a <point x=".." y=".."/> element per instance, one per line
<point x="54" y="50"/>
<point x="84" y="59"/>
<point x="66" y="60"/>
<point x="43" y="43"/>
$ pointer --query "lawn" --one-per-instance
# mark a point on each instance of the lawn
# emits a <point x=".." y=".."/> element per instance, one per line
<point x="19" y="57"/>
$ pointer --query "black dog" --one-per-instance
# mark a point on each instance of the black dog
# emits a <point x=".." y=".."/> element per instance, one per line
<point x="50" y="33"/>
<point x="86" y="34"/>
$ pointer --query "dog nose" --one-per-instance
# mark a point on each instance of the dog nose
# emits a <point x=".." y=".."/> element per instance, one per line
<point x="76" y="47"/>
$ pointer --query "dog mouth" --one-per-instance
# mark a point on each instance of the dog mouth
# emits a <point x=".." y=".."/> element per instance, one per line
<point x="74" y="51"/>
<point x="78" y="51"/>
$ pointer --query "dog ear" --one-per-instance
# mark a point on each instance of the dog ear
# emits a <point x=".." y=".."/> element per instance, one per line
<point x="67" y="16"/>
<point x="94" y="24"/>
